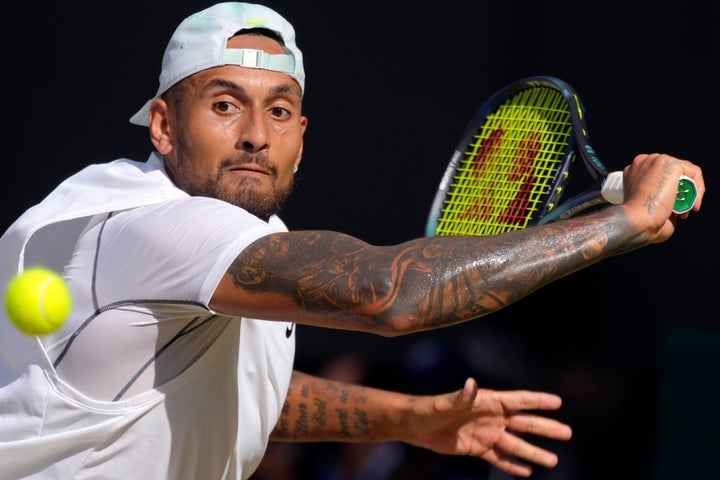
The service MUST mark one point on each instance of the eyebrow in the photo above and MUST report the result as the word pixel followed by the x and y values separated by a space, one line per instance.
pixel 281 89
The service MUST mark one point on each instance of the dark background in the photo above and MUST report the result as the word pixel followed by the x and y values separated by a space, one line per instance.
pixel 630 344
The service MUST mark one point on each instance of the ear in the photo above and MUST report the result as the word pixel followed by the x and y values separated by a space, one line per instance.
pixel 160 126
pixel 298 158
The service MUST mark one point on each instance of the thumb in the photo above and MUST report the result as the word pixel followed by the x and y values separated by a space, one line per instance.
pixel 469 392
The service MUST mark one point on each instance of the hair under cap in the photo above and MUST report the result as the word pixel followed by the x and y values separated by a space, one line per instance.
pixel 200 42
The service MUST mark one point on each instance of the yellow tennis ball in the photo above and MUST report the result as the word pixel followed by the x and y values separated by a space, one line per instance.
pixel 38 301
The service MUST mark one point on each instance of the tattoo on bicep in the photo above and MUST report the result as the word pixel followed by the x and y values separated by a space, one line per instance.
pixel 325 272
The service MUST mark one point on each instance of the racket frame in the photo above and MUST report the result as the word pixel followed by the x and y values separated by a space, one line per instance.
pixel 550 209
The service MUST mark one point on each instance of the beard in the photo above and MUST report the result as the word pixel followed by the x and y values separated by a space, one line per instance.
pixel 243 193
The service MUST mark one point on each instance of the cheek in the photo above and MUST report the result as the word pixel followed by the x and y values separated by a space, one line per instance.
pixel 204 139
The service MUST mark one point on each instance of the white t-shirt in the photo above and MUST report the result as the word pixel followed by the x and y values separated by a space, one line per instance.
pixel 143 380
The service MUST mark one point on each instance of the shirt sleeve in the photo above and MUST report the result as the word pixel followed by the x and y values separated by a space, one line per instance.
pixel 175 251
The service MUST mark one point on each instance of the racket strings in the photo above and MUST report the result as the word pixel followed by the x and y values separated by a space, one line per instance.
pixel 509 166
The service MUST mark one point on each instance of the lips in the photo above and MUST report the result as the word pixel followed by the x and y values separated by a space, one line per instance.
pixel 253 168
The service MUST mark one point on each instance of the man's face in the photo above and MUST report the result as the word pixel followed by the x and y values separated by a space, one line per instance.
pixel 236 133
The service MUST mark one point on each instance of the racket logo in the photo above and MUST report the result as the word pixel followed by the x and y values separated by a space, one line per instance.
pixel 526 152
pixel 489 149
pixel 518 183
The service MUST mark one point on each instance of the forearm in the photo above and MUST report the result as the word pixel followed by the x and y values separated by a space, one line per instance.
pixel 341 282
pixel 318 410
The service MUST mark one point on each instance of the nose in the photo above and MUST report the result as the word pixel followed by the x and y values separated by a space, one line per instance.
pixel 254 133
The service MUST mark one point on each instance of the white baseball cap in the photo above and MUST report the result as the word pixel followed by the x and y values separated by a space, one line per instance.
pixel 200 42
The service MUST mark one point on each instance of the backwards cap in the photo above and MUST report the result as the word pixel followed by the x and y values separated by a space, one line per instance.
pixel 200 42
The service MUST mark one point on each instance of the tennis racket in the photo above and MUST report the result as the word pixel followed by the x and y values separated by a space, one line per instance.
pixel 513 162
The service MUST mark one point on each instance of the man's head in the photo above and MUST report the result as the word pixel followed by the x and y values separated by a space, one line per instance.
pixel 200 42
pixel 228 129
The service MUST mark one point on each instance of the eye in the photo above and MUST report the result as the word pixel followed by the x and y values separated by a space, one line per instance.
pixel 224 107
pixel 279 113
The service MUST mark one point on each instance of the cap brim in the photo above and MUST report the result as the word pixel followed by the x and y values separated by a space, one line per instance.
pixel 143 115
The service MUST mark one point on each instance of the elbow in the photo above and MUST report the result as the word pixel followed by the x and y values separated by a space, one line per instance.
pixel 391 307
pixel 398 316
pixel 405 306
pixel 399 325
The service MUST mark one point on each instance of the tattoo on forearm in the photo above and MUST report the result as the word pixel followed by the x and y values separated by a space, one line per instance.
pixel 301 422
pixel 431 281
pixel 319 417
pixel 344 431
pixel 361 423
pixel 282 428
pixel 337 411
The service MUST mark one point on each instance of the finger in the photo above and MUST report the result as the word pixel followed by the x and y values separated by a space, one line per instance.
pixel 506 463
pixel 541 426
pixel 695 173
pixel 469 391
pixel 528 400
pixel 459 399
pixel 519 448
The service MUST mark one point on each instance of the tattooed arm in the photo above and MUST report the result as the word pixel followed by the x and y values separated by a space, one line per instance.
pixel 469 421
pixel 334 280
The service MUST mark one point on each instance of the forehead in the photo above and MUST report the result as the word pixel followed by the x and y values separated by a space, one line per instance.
pixel 251 81
pixel 259 42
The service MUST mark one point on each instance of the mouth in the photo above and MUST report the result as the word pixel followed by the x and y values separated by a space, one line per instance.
pixel 250 168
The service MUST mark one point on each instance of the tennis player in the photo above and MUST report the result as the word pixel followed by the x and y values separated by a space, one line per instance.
pixel 177 359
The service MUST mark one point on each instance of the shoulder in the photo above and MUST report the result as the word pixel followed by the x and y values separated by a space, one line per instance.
pixel 190 221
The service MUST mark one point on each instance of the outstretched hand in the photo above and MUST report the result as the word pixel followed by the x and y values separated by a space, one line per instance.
pixel 486 424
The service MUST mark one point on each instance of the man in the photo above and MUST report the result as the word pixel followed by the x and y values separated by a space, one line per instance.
pixel 177 360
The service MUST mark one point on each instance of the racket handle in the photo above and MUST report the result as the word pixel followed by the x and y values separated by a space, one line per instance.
pixel 612 188
pixel 612 191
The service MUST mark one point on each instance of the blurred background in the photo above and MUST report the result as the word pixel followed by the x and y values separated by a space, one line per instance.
pixel 632 344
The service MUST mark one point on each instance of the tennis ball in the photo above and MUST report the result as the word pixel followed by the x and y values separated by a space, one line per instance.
pixel 38 301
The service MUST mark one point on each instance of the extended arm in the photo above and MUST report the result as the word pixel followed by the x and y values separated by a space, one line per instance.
pixel 469 421
pixel 334 280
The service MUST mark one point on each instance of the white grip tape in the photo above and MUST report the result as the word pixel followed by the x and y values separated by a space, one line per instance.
pixel 612 188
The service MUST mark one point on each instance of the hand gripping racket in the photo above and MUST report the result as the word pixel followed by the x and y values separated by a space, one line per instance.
pixel 513 162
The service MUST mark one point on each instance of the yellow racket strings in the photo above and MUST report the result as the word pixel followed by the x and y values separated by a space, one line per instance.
pixel 509 166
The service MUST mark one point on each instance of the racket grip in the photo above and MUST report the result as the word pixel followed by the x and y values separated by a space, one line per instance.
pixel 612 188
pixel 612 191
